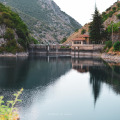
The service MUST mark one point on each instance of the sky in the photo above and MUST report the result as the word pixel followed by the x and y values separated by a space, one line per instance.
pixel 82 10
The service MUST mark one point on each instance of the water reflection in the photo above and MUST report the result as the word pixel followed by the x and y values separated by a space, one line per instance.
pixel 31 72
pixel 58 85
pixel 100 72
pixel 34 74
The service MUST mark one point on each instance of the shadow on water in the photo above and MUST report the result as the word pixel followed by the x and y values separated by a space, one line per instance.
pixel 100 72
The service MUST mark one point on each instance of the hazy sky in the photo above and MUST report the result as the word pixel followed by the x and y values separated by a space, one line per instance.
pixel 82 10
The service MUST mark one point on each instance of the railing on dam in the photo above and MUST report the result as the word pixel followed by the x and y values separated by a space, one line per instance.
pixel 64 49
pixel 88 47
pixel 50 49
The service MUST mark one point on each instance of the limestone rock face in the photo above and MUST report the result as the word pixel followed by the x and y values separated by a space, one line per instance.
pixel 2 32
pixel 45 19
pixel 2 41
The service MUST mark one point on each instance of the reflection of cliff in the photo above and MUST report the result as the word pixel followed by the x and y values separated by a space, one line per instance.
pixel 13 71
pixel 99 74
pixel 31 72
pixel 34 74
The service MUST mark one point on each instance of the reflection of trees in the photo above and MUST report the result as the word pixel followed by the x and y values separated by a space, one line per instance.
pixel 105 74
pixel 100 73
pixel 31 72
pixel 114 78
pixel 14 71
pixel 97 76
pixel 116 69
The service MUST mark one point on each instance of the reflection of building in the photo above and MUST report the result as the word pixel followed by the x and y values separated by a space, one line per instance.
pixel 83 64
pixel 92 66
pixel 81 69
pixel 79 66
pixel 99 73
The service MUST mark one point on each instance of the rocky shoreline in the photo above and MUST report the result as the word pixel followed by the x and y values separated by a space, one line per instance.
pixel 25 54
pixel 105 56
pixel 111 57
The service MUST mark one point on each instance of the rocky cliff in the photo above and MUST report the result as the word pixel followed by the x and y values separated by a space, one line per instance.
pixel 44 18
pixel 14 34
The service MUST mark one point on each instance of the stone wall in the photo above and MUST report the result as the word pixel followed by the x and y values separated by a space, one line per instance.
pixel 111 58
pixel 84 50
pixel 88 47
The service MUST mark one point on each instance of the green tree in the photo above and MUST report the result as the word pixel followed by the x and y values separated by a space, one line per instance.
pixel 76 30
pixel 96 27
pixel 118 16
pixel 116 46
pixel 63 40
pixel 9 34
pixel 83 31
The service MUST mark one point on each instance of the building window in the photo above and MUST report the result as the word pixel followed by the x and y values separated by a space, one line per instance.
pixel 75 42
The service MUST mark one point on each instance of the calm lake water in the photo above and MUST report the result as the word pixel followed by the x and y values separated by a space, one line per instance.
pixel 58 88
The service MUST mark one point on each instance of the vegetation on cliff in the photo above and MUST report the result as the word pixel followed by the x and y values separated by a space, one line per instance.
pixel 110 11
pixel 114 26
pixel 44 19
pixel 63 40
pixel 16 35
pixel 110 20
pixel 111 47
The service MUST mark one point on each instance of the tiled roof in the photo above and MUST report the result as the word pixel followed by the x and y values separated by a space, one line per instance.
pixel 81 37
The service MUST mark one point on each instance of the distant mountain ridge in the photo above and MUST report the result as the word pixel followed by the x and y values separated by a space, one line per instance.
pixel 44 18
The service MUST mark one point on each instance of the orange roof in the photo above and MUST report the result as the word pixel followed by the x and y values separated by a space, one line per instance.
pixel 79 39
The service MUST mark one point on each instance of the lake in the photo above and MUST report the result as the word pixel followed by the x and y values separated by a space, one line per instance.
pixel 62 88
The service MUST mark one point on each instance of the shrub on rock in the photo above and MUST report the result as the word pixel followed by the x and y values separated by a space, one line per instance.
pixel 116 46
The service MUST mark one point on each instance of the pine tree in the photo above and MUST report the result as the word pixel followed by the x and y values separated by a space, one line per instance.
pixel 96 28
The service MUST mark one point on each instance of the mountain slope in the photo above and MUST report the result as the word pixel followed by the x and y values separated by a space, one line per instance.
pixel 78 33
pixel 110 16
pixel 14 34
pixel 47 22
